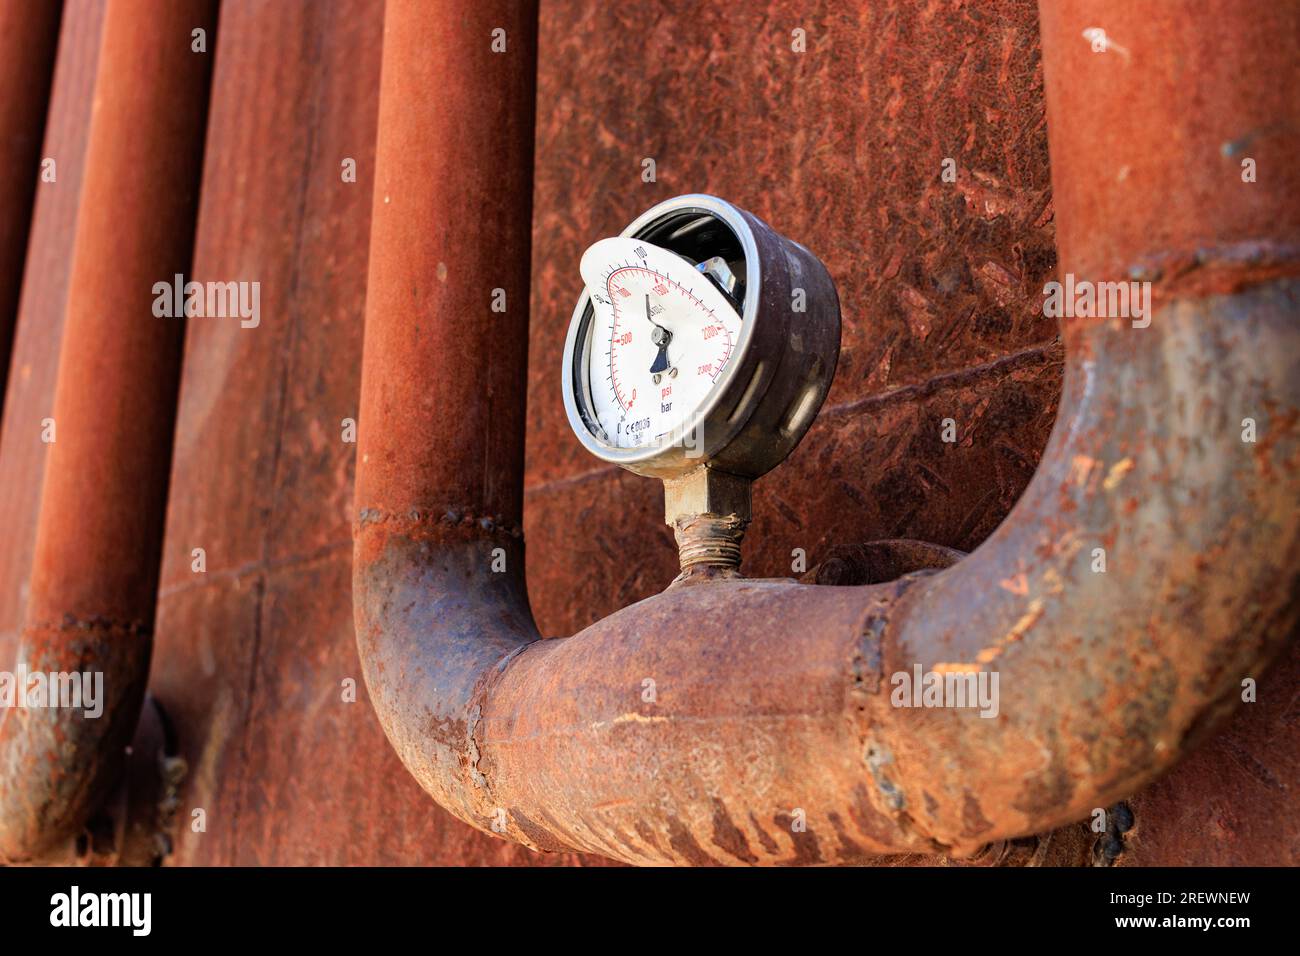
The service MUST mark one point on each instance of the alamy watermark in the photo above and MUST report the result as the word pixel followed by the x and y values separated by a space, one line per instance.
pixel 1081 299
pixel 223 300
pixel 948 687
pixel 133 911
pixel 69 690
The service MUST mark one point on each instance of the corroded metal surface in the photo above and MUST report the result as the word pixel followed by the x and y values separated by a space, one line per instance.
pixel 251 651
pixel 1174 108
pixel 771 699
pixel 95 566
pixel 897 81
pixel 941 287
pixel 1232 801
pixel 841 148
pixel 876 468
pixel 437 268
pixel 774 696
pixel 878 562
pixel 427 308
pixel 1108 678
pixel 1184 93
pixel 233 630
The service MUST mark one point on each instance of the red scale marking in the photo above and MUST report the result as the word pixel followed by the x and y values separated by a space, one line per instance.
pixel 618 391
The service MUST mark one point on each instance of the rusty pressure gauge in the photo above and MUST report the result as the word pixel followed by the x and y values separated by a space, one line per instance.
pixel 699 352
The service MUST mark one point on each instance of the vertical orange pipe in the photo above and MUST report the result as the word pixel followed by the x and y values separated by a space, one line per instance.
pixel 1172 139
pixel 29 36
pixel 452 222
pixel 95 570
pixel 440 448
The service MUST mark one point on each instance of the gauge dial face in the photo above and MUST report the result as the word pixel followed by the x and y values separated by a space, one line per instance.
pixel 661 336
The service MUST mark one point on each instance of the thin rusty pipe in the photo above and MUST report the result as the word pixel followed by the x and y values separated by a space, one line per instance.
pixel 701 725
pixel 29 36
pixel 95 569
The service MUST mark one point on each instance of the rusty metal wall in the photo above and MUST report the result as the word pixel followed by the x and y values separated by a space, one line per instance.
pixel 840 147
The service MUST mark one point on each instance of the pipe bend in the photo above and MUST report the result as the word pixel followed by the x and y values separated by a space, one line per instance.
pixel 1110 672
pixel 58 764
pixel 689 727
pixel 755 721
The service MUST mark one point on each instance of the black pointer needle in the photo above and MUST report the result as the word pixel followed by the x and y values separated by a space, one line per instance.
pixel 660 337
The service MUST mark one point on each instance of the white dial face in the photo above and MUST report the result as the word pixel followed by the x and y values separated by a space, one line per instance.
pixel 661 336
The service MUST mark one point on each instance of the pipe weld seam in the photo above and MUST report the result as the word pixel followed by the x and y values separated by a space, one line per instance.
pixel 451 519
pixel 70 622
pixel 1211 269
pixel 866 673
pixel 479 697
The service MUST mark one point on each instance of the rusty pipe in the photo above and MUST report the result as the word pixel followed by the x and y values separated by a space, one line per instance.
pixel 756 721
pixel 95 569
pixel 29 36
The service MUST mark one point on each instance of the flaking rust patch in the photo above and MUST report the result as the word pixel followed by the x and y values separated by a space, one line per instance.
pixel 472 753
pixel 956 668
pixel 878 759
pixel 1117 473
pixel 1022 626
pixel 990 654
pixel 865 665
pixel 1053 581
pixel 1017 585
pixel 634 718
pixel 1080 468
pixel 629 718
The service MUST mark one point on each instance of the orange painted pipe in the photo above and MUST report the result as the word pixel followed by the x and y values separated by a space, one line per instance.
pixel 94 574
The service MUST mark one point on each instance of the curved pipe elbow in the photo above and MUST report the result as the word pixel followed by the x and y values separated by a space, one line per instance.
pixel 434 624
pixel 765 721
pixel 59 763
pixel 773 697
pixel 1148 569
